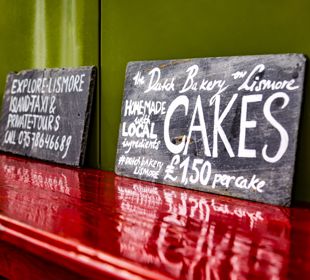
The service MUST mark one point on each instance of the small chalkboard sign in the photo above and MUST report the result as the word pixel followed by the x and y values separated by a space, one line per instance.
pixel 46 113
pixel 222 125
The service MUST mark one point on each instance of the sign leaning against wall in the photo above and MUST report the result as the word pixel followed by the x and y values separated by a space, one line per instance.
pixel 46 113
pixel 222 125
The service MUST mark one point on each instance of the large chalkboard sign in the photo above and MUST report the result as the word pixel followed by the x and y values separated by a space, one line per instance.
pixel 46 113
pixel 222 125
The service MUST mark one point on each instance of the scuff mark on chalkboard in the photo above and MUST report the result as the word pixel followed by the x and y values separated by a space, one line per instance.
pixel 178 139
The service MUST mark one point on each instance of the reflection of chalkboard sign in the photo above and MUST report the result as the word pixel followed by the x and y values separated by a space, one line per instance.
pixel 46 113
pixel 222 125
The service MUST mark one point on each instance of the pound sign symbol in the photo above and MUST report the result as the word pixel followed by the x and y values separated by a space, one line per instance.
pixel 170 168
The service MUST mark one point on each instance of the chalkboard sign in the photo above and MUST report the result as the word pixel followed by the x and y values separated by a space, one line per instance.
pixel 222 125
pixel 46 113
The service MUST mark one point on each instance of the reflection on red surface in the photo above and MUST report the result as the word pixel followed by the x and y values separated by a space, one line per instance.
pixel 128 228
pixel 37 193
pixel 192 236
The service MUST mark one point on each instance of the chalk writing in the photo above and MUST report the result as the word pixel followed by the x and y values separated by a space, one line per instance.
pixel 45 113
pixel 222 125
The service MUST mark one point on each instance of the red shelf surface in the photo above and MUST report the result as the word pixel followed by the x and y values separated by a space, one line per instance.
pixel 64 223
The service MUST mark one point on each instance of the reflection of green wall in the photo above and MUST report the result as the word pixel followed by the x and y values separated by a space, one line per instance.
pixel 60 33
pixel 50 33
pixel 161 29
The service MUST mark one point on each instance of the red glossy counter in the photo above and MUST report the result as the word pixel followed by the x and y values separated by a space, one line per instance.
pixel 63 223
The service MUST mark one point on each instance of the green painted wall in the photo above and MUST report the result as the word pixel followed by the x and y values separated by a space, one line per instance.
pixel 161 29
pixel 51 33
pixel 59 33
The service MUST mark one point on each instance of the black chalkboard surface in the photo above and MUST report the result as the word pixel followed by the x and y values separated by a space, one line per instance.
pixel 222 125
pixel 46 113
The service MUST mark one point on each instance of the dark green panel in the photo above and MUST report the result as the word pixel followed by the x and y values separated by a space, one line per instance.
pixel 51 33
pixel 146 30
pixel 16 37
